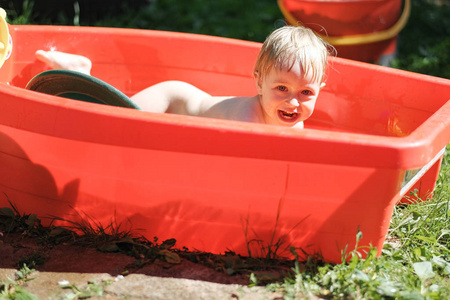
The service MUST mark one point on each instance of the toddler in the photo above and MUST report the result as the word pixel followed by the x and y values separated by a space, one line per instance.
pixel 289 73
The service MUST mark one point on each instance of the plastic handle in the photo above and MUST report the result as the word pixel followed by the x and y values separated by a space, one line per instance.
pixel 358 38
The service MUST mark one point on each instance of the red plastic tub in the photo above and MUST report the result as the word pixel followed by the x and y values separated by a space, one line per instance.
pixel 363 30
pixel 216 185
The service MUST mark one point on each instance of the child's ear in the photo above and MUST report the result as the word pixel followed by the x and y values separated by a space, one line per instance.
pixel 258 81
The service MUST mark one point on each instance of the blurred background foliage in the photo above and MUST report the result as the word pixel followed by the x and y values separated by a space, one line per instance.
pixel 423 47
pixel 424 43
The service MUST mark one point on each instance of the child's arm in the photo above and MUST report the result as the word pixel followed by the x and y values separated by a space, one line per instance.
pixel 172 97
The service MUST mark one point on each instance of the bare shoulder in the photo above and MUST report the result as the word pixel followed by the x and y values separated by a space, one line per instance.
pixel 183 98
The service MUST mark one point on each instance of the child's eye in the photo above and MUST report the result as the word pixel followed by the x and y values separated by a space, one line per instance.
pixel 306 92
pixel 282 88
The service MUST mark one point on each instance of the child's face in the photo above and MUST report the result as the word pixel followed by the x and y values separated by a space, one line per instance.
pixel 287 97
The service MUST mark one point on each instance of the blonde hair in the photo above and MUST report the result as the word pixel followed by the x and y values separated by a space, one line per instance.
pixel 289 45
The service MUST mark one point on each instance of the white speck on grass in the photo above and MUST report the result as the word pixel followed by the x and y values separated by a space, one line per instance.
pixel 63 283
pixel 119 277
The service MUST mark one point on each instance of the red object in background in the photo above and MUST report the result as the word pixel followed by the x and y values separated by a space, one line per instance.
pixel 215 185
pixel 339 19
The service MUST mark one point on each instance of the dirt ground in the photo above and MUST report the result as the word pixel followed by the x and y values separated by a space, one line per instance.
pixel 88 249
pixel 18 248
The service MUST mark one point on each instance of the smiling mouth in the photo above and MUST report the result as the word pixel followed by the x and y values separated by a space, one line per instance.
pixel 288 117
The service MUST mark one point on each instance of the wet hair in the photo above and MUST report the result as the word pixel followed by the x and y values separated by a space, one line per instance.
pixel 289 45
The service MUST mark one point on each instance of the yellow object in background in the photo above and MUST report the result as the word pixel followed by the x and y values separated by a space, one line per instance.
pixel 5 38
pixel 357 39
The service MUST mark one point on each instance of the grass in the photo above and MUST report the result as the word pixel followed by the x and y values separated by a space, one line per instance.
pixel 13 288
pixel 92 289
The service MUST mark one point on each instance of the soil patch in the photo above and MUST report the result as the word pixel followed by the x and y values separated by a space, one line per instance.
pixel 16 250
pixel 24 241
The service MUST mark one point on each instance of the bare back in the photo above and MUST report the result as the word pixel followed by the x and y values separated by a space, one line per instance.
pixel 182 98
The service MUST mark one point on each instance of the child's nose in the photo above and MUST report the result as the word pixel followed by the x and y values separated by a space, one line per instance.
pixel 294 102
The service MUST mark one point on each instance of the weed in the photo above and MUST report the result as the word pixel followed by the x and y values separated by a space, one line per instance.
pixel 87 232
pixel 12 288
pixel 93 234
pixel 92 289
pixel 374 277
pixel 268 250
pixel 114 238
pixel 11 220
pixel 35 259
pixel 278 244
